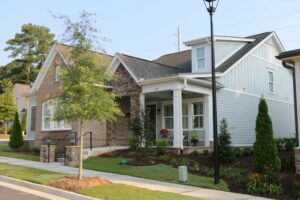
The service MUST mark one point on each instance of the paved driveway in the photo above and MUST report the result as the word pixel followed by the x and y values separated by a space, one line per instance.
pixel 11 194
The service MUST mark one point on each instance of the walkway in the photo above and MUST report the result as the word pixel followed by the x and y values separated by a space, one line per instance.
pixel 138 182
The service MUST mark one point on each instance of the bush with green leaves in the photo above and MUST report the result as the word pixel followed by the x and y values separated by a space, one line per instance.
pixel 161 148
pixel 225 150
pixel 133 144
pixel 296 189
pixel 237 152
pixel 285 143
pixel 265 150
pixel 173 162
pixel 35 150
pixel 16 137
pixel 288 164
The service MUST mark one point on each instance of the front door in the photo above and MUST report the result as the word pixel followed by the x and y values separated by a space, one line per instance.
pixel 151 114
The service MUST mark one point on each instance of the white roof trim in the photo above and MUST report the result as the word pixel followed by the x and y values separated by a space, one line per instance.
pixel 217 38
pixel 247 54
pixel 115 63
pixel 45 67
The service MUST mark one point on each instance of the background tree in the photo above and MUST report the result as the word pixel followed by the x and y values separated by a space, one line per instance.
pixel 7 103
pixel 16 136
pixel 84 96
pixel 265 151
pixel 225 150
pixel 29 50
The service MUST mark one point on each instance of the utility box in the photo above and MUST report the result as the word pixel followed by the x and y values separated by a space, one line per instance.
pixel 183 174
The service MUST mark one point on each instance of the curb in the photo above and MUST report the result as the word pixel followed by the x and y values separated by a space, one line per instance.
pixel 46 189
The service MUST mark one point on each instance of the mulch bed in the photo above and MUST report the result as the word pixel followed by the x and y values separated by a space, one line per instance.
pixel 71 183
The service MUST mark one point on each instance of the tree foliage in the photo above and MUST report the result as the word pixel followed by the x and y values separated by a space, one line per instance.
pixel 84 94
pixel 29 50
pixel 16 137
pixel 265 156
pixel 7 102
pixel 225 150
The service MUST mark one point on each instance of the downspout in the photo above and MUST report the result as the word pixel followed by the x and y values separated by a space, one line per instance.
pixel 291 66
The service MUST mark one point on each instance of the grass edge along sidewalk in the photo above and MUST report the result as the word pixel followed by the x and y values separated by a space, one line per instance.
pixel 109 191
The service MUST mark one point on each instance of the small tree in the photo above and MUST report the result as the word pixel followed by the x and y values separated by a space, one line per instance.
pixel 7 105
pixel 16 137
pixel 84 94
pixel 225 150
pixel 265 151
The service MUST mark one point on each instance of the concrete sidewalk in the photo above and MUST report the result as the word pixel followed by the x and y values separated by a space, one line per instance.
pixel 133 181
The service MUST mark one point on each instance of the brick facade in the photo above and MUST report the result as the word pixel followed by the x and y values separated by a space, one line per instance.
pixel 129 94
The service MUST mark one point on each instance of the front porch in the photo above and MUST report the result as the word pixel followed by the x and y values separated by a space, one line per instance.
pixel 183 106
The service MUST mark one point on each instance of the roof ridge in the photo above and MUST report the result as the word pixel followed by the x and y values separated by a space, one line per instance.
pixel 149 61
pixel 255 35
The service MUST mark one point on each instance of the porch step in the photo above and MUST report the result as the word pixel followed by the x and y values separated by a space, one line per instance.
pixel 101 150
pixel 60 160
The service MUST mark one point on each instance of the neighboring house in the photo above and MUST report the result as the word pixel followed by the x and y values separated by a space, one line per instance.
pixel 21 92
pixel 175 91
pixel 291 61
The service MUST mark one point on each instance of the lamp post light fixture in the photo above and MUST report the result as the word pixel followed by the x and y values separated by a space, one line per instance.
pixel 211 6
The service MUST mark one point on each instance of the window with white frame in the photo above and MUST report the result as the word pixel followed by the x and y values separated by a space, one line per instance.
pixel 271 84
pixel 57 73
pixel 200 57
pixel 168 116
pixel 198 115
pixel 185 116
pixel 48 117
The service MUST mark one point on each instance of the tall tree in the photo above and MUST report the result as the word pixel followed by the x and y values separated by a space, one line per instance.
pixel 84 96
pixel 265 156
pixel 29 50
pixel 7 105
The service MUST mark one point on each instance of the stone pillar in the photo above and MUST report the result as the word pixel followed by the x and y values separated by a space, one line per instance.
pixel 177 119
pixel 72 156
pixel 297 160
pixel 44 153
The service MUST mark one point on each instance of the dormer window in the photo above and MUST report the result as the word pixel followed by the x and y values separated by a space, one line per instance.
pixel 57 73
pixel 200 58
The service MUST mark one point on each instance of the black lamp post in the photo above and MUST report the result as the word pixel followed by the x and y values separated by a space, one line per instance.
pixel 211 6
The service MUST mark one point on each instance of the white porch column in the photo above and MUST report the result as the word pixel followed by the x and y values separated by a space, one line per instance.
pixel 208 120
pixel 142 102
pixel 177 119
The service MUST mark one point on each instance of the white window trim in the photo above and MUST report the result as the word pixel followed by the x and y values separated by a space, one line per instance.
pixel 51 121
pixel 166 117
pixel 201 58
pixel 57 73
pixel 199 115
pixel 273 72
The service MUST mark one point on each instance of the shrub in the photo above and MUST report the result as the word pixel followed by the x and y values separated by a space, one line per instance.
pixel 195 154
pixel 173 162
pixel 235 173
pixel 296 189
pixel 279 143
pixel 25 148
pixel 237 152
pixel 206 153
pixel 163 158
pixel 133 144
pixel 225 151
pixel 35 150
pixel 196 167
pixel 132 154
pixel 265 150
pixel 206 171
pixel 161 148
pixel 246 152
pixel 185 162
pixel 288 164
pixel 289 143
pixel 16 137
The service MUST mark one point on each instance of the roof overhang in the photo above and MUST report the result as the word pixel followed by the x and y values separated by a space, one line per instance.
pixel 289 55
pixel 217 38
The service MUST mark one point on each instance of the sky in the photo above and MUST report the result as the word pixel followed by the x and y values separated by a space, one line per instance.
pixel 147 28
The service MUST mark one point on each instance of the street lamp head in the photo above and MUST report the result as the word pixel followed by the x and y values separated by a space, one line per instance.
pixel 211 5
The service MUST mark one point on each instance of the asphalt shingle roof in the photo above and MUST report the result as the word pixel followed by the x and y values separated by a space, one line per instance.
pixel 288 54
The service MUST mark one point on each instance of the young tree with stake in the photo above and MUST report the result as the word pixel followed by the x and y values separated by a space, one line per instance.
pixel 84 94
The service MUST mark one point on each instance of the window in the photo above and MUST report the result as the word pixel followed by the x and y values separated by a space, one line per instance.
pixel 200 58
pixel 197 115
pixel 185 116
pixel 57 73
pixel 32 118
pixel 271 88
pixel 168 116
pixel 48 117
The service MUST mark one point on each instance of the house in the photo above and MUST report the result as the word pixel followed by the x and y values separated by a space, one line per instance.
pixel 175 91
pixel 291 61
pixel 20 92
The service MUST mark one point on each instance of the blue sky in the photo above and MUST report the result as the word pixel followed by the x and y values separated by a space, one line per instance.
pixel 147 29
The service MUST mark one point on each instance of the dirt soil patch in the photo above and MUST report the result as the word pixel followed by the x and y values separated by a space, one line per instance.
pixel 71 183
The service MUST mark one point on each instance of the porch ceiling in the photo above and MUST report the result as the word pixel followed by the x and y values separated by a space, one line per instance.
pixel 168 95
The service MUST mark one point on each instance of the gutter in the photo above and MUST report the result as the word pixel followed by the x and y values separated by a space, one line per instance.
pixel 291 66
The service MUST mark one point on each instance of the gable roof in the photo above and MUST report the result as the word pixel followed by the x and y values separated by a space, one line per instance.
pixel 181 60
pixel 145 69
pixel 243 51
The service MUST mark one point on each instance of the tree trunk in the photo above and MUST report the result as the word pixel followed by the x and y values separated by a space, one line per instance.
pixel 80 172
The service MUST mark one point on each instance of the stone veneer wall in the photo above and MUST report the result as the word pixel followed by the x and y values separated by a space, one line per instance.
pixel 129 101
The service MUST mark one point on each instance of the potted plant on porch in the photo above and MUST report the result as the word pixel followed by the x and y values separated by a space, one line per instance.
pixel 164 132
pixel 194 138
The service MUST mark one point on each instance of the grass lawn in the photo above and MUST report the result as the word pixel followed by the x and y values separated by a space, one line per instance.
pixel 105 192
pixel 17 154
pixel 125 192
pixel 156 172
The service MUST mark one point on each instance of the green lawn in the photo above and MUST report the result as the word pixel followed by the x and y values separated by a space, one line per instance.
pixel 17 155
pixel 156 172
pixel 105 192
pixel 125 192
